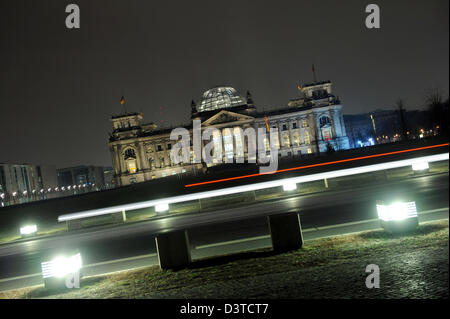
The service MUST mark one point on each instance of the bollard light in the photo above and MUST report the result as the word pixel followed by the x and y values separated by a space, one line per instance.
pixel 28 230
pixel 62 271
pixel 397 211
pixel 420 166
pixel 162 208
pixel 289 187
pixel 61 266
pixel 398 216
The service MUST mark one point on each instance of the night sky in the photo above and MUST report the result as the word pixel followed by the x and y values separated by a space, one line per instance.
pixel 59 87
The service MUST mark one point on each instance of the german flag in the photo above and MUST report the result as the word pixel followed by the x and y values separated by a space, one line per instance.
pixel 267 124
pixel 122 100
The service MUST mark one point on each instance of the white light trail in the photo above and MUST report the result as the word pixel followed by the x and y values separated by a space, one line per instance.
pixel 256 186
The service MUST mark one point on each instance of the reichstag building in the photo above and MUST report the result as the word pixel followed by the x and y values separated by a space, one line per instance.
pixel 309 124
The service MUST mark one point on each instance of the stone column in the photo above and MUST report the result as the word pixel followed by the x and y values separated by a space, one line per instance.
pixel 138 157
pixel 123 166
pixel 117 166
pixel 143 155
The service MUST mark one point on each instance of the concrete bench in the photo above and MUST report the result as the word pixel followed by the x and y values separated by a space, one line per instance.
pixel 174 251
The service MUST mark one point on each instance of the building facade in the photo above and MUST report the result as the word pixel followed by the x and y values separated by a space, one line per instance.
pixel 309 124
pixel 21 183
pixel 81 175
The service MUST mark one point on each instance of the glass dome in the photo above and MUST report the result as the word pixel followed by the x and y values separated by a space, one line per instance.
pixel 220 98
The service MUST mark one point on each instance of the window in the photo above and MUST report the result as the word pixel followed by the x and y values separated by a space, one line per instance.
pixel 159 148
pixel 129 153
pixel 296 138
pixel 284 127
pixel 304 123
pixel 169 146
pixel 324 120
pixel 309 151
pixel 294 125
pixel 307 138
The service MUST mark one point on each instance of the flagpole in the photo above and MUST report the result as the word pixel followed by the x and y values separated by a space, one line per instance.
pixel 314 74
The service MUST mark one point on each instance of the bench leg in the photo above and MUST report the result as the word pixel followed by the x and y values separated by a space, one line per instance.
pixel 119 217
pixel 285 231
pixel 73 224
pixel 173 249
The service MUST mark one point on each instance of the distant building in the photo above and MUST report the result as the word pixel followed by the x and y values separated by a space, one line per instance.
pixel 108 175
pixel 385 126
pixel 81 175
pixel 21 183
pixel 309 124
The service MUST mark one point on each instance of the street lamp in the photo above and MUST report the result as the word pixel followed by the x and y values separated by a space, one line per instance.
pixel 62 270
pixel 397 216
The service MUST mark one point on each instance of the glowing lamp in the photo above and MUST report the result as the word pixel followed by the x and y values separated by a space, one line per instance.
pixel 61 266
pixel 398 216
pixel 289 187
pixel 28 230
pixel 62 271
pixel 420 166
pixel 162 208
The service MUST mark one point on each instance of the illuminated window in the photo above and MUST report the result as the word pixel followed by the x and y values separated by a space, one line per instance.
pixel 286 140
pixel 304 123
pixel 131 166
pixel 326 133
pixel 307 138
pixel 238 140
pixel 309 151
pixel 296 138
pixel 228 143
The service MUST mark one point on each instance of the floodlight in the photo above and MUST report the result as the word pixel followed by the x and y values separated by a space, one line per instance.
pixel 397 211
pixel 289 187
pixel 420 166
pixel 28 230
pixel 61 266
pixel 161 208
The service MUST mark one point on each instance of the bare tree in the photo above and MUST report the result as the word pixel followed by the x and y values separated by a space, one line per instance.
pixel 401 110
pixel 438 109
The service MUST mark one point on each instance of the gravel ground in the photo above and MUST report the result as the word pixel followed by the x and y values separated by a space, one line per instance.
pixel 412 266
pixel 422 273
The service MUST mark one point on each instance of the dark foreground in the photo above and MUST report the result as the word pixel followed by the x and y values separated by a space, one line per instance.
pixel 413 265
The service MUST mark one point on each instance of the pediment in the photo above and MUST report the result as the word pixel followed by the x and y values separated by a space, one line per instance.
pixel 226 117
